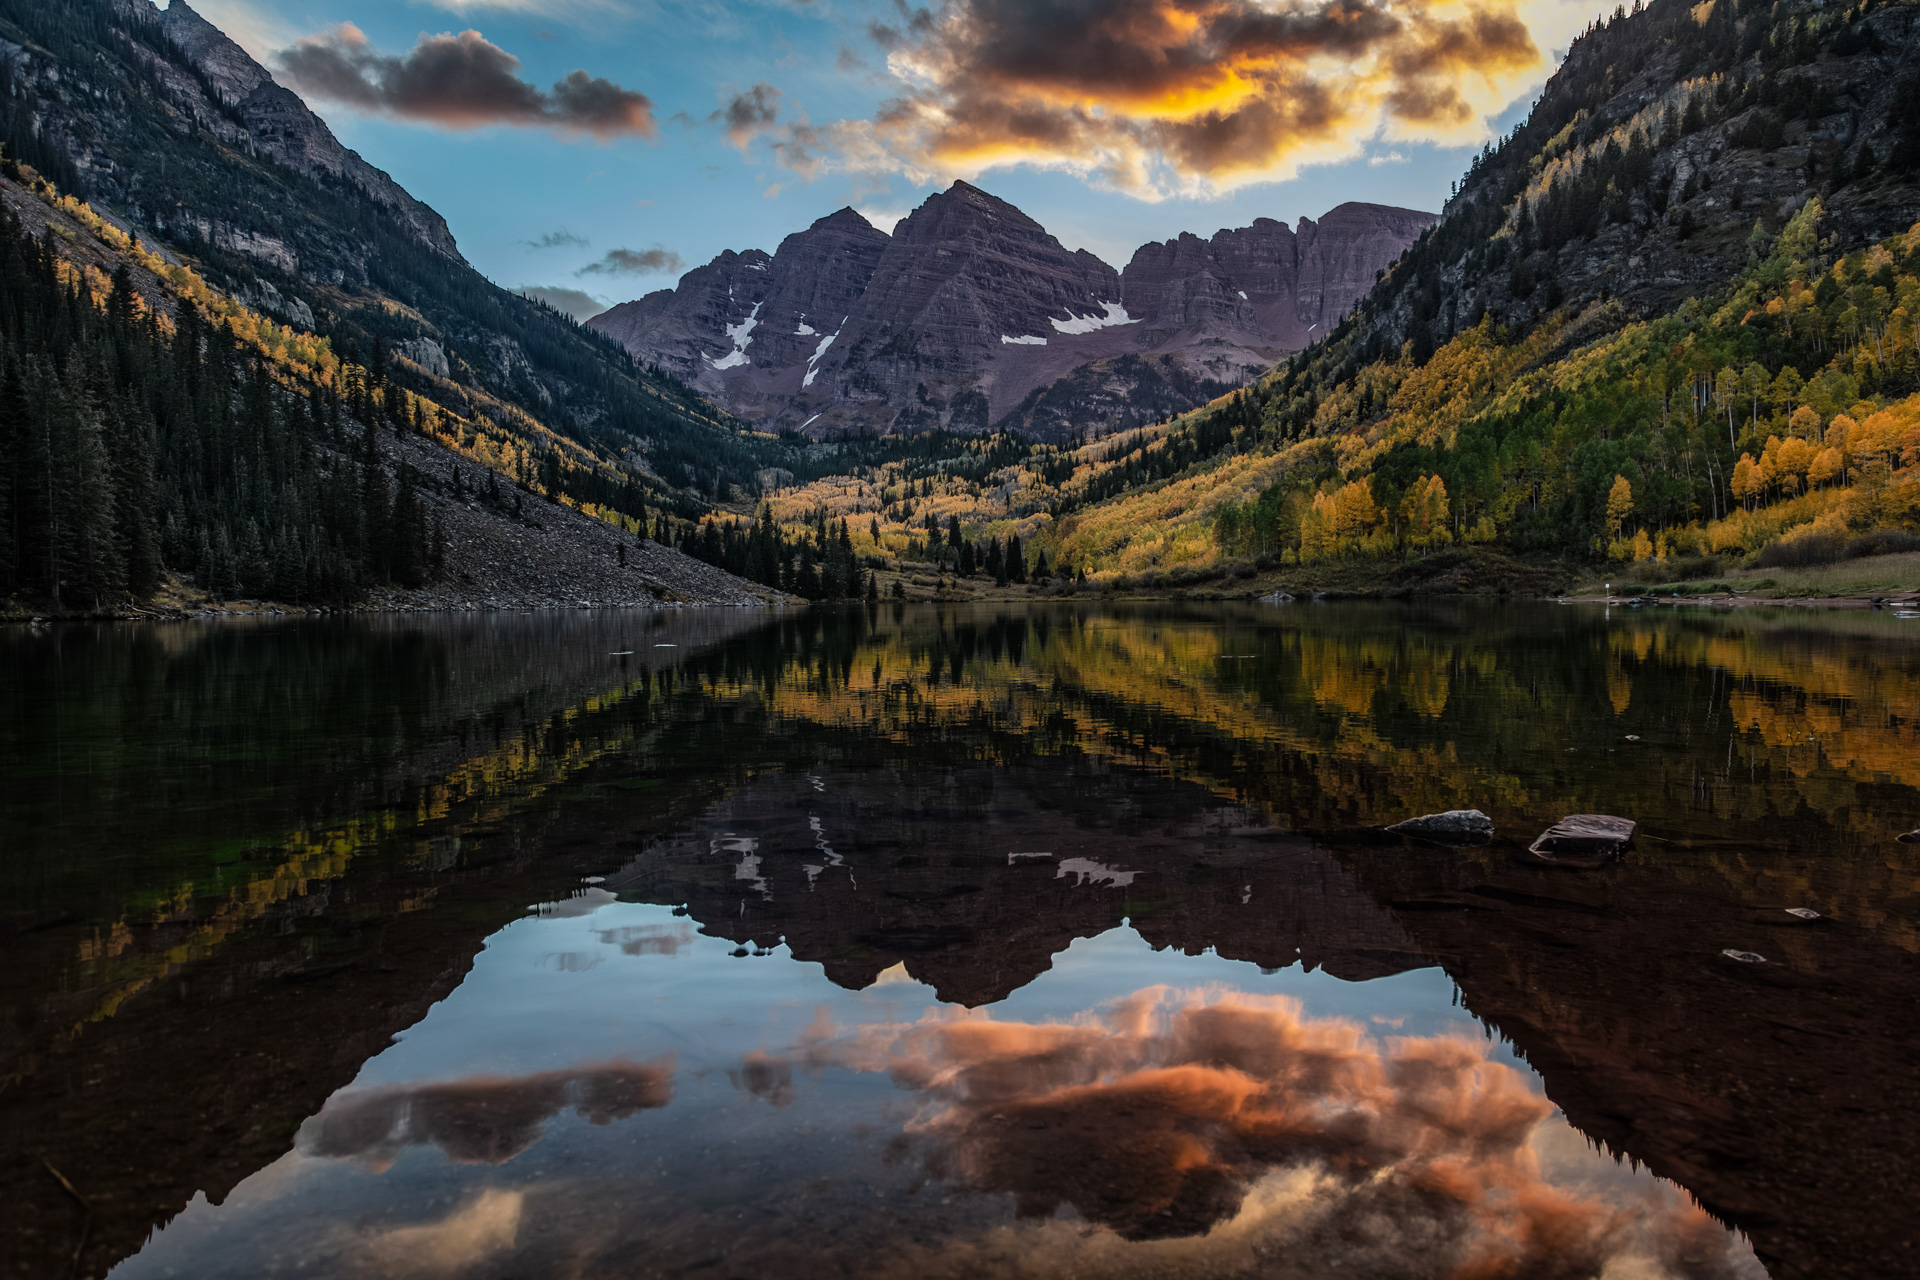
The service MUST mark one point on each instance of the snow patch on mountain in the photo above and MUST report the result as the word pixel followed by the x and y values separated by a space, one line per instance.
pixel 1116 314
pixel 742 336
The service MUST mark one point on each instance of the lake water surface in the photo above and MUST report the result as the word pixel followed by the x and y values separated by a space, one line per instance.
pixel 981 941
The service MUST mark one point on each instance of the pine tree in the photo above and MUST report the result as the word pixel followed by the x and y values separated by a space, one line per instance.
pixel 85 568
pixel 407 535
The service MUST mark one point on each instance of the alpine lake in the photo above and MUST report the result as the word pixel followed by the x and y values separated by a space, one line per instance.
pixel 999 940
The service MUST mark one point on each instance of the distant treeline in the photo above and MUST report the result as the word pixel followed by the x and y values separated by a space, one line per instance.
pixel 126 449
pixel 817 565
pixel 820 564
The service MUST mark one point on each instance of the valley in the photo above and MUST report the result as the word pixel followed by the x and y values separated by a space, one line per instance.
pixel 1664 330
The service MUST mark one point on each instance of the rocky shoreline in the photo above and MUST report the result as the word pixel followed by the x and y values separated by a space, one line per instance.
pixel 1897 604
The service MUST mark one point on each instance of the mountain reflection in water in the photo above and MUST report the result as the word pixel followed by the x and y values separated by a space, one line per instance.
pixel 988 941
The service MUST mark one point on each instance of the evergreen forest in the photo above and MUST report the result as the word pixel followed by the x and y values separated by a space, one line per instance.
pixel 132 443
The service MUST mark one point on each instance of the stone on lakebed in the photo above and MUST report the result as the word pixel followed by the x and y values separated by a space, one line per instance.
pixel 1455 826
pixel 1583 840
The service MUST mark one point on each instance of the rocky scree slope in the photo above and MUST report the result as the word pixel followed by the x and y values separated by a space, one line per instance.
pixel 970 316
pixel 549 556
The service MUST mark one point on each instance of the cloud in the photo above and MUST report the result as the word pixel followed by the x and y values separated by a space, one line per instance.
pixel 883 219
pixel 648 939
pixel 1194 97
pixel 767 1078
pixel 635 262
pixel 1386 157
pixel 253 28
pixel 479 1119
pixel 747 115
pixel 1230 1123
pixel 568 302
pixel 458 82
pixel 557 240
pixel 484 1227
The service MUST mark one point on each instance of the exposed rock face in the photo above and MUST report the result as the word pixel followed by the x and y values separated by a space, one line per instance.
pixel 282 126
pixel 971 316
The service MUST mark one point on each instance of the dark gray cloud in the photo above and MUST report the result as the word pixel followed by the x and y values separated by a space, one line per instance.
pixel 459 82
pixel 635 262
pixel 747 115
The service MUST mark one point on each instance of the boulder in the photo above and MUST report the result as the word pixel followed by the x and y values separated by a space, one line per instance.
pixel 1912 837
pixel 426 353
pixel 1583 840
pixel 1454 827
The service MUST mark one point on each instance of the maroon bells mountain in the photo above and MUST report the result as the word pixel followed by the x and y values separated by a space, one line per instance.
pixel 971 317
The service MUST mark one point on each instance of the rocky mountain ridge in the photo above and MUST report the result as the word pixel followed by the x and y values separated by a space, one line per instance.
pixel 970 316
pixel 280 123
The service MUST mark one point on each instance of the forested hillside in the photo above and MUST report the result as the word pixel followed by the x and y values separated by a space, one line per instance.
pixel 1669 319
pixel 1672 315
pixel 101 99
pixel 131 442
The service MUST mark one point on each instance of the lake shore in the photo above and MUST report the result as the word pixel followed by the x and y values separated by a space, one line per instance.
pixel 656 577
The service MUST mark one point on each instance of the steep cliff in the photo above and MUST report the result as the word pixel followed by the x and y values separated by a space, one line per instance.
pixel 280 124
pixel 971 316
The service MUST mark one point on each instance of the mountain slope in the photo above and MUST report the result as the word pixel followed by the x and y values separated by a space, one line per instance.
pixel 1668 325
pixel 970 316
pixel 173 131
pixel 162 446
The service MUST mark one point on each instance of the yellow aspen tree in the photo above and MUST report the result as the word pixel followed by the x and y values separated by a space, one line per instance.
pixel 1619 506
pixel 1792 461
pixel 1354 513
pixel 1745 480
pixel 1826 466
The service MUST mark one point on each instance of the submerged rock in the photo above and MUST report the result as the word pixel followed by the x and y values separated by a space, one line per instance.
pixel 1276 597
pixel 1455 826
pixel 1583 840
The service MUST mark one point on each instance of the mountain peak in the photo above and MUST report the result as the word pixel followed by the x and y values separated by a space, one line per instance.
pixel 965 211
pixel 848 221
pixel 231 69
pixel 971 308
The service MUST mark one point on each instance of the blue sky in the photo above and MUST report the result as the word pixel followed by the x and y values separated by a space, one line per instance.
pixel 876 104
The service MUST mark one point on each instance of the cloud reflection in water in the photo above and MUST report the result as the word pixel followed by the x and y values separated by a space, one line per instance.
pixel 480 1119
pixel 1229 1125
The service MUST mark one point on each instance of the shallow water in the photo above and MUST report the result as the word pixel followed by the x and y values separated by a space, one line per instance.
pixel 983 941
